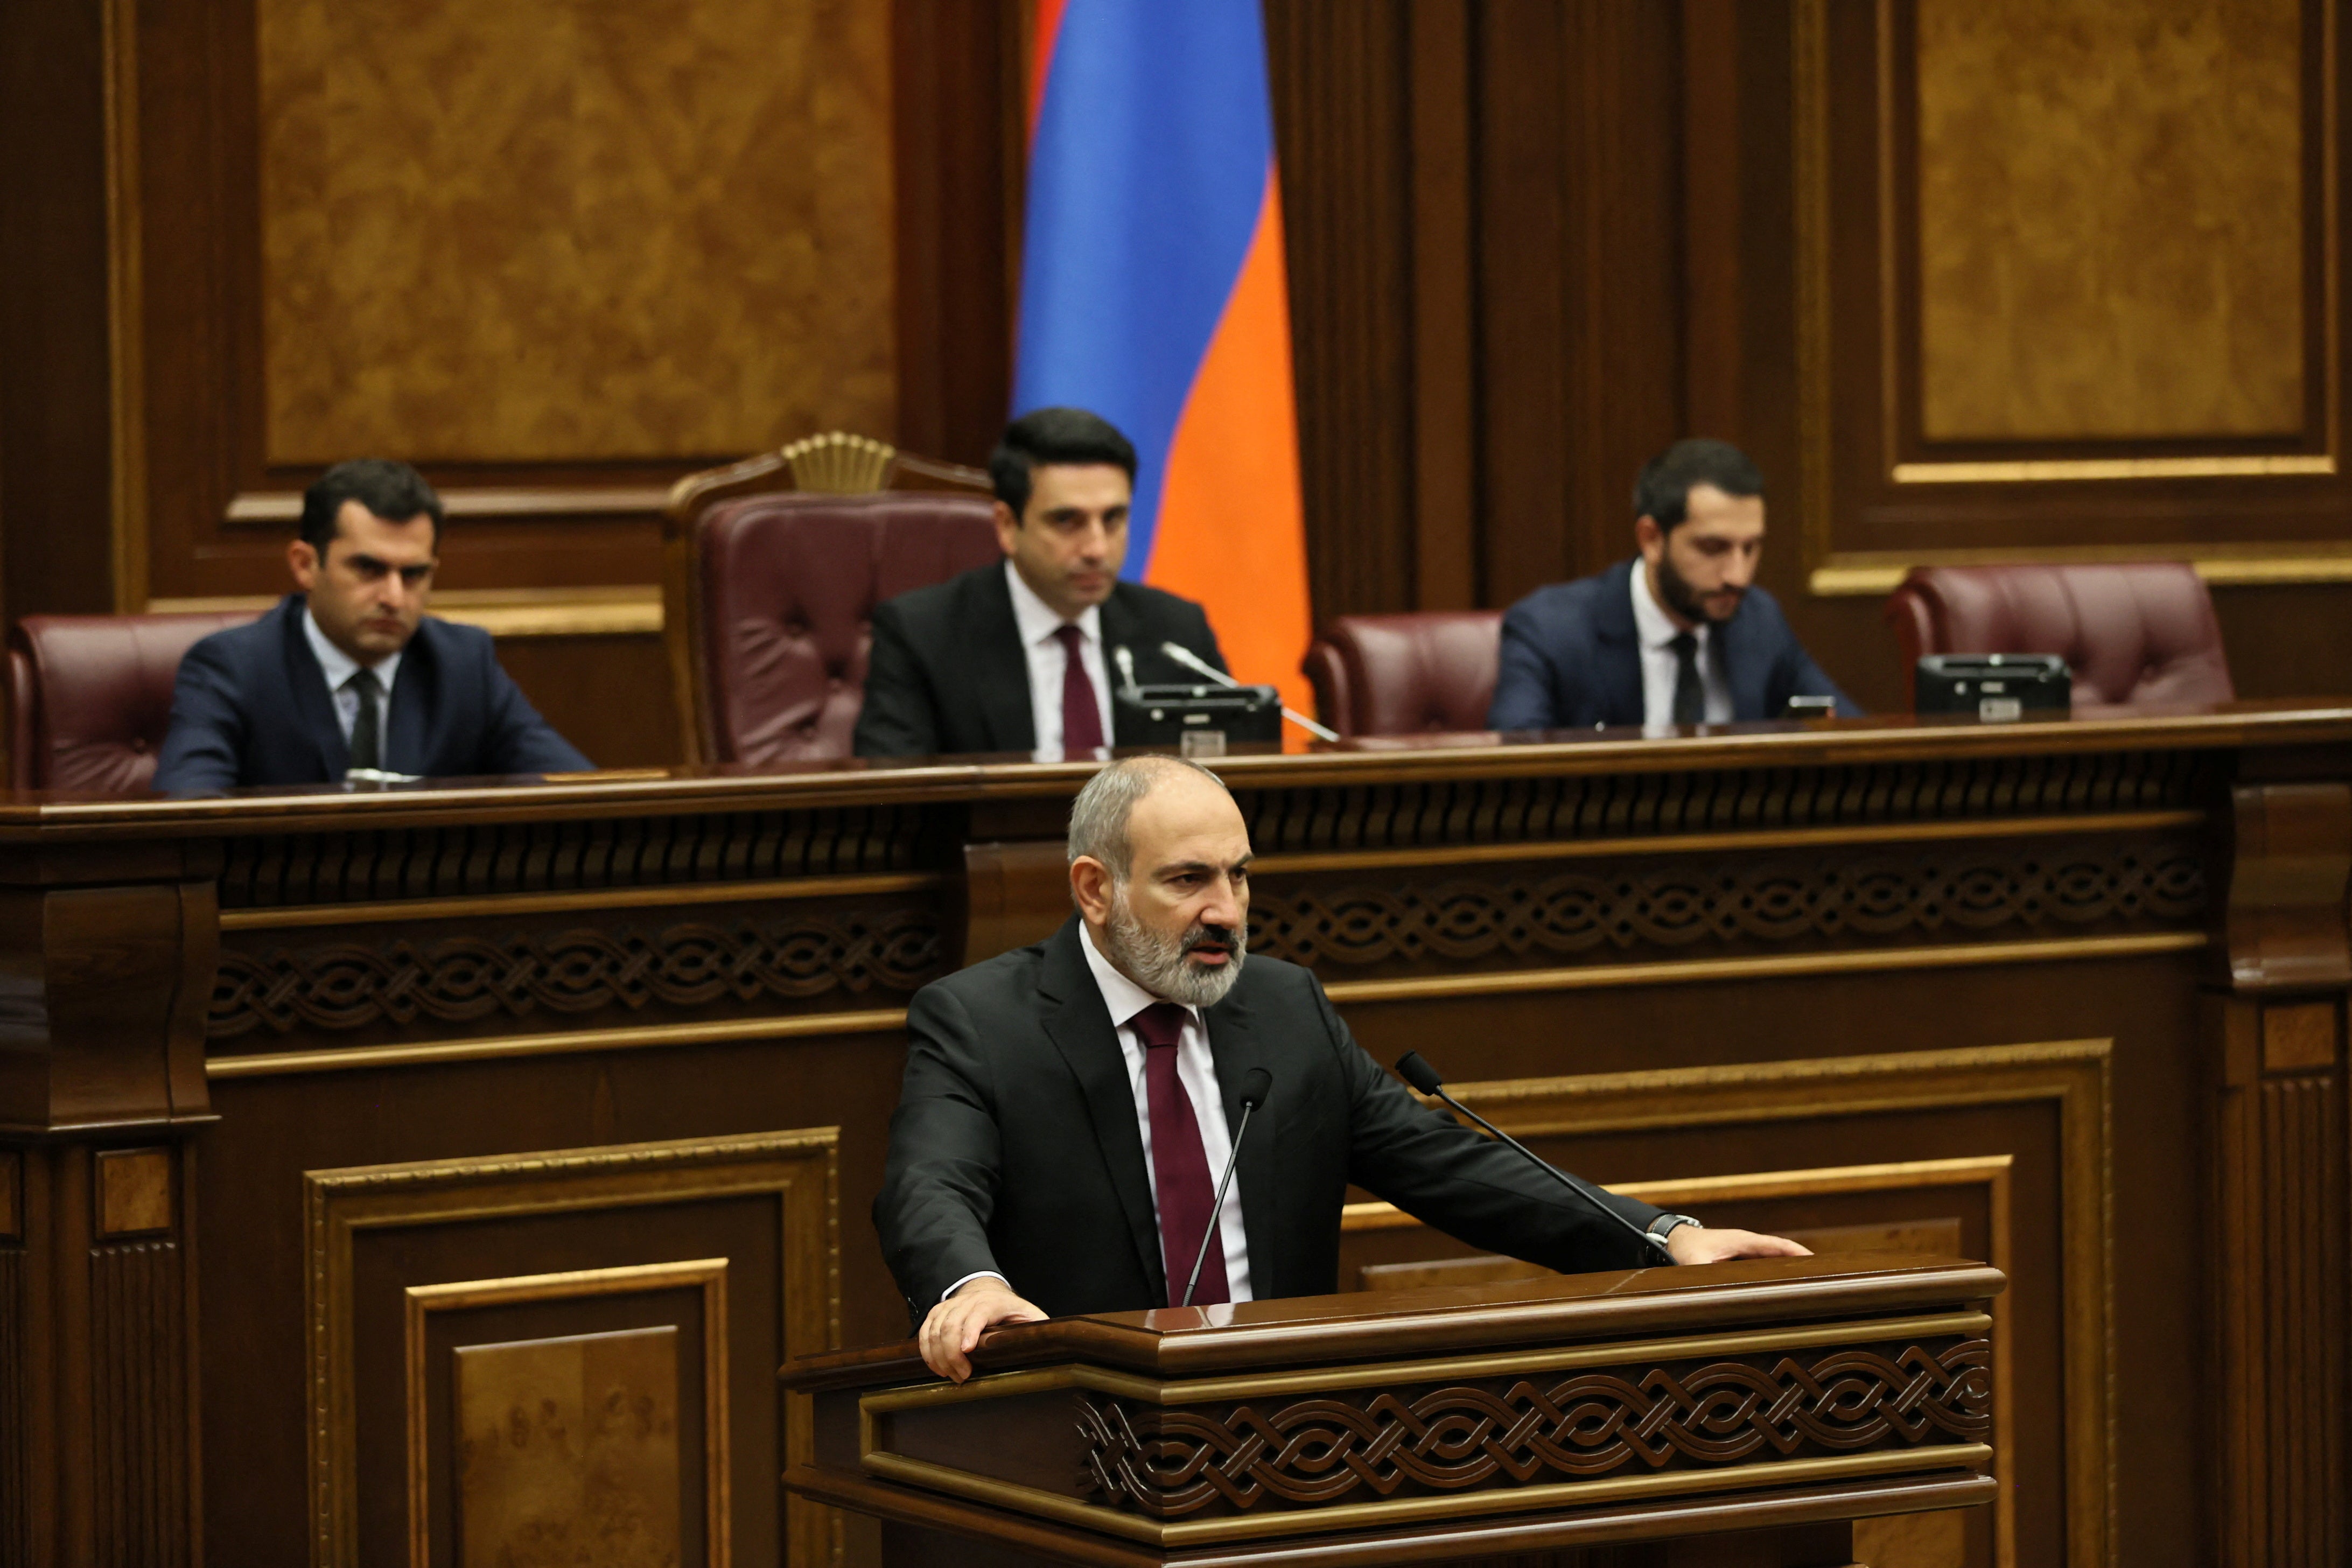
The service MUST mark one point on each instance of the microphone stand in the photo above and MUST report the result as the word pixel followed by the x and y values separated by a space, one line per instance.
pixel 1422 1077
pixel 1254 1092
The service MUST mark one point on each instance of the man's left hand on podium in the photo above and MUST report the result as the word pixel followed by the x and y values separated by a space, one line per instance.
pixel 1698 1244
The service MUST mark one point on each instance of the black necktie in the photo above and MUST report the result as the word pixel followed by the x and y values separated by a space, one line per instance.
pixel 1690 696
pixel 367 730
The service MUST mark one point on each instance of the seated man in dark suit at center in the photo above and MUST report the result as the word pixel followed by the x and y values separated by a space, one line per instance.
pixel 1680 634
pixel 1023 657
pixel 351 673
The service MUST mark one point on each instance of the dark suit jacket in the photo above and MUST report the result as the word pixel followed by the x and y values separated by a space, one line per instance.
pixel 1571 659
pixel 251 707
pixel 1015 1146
pixel 948 673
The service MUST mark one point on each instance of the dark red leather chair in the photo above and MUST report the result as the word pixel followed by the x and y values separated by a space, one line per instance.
pixel 785 586
pixel 2137 635
pixel 90 697
pixel 1406 674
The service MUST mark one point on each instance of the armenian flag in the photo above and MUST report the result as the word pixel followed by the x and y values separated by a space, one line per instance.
pixel 1154 292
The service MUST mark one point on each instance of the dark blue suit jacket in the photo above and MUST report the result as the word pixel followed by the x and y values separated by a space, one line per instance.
pixel 1572 660
pixel 252 708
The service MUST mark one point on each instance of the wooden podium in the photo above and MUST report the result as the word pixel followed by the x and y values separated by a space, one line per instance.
pixel 1746 1413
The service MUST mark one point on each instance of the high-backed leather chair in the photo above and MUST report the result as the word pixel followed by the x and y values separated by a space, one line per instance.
pixel 1406 674
pixel 90 697
pixel 770 596
pixel 2135 634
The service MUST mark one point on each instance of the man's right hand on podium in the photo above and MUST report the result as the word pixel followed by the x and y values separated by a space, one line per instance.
pixel 950 1329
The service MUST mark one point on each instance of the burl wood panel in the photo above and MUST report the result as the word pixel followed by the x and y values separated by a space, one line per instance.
pixel 568 1450
pixel 554 230
pixel 2110 201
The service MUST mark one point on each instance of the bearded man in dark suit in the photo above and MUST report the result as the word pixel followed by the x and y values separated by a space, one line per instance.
pixel 1681 635
pixel 1067 1106
pixel 1023 656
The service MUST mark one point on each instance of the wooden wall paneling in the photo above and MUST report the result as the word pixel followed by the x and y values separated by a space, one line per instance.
pixel 386 1400
pixel 1626 263
pixel 2277 1214
pixel 1446 555
pixel 958 123
pixel 1342 81
pixel 61 133
pixel 610 696
pixel 1969 408
pixel 1521 96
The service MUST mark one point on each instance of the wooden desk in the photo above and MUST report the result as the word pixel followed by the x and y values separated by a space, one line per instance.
pixel 1666 1413
pixel 329 1124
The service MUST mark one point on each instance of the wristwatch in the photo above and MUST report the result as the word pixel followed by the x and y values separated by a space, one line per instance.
pixel 1666 1225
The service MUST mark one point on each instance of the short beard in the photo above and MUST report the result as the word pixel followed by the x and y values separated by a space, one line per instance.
pixel 1683 600
pixel 1162 966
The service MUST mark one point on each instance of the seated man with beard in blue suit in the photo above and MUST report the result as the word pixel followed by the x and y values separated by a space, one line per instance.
pixel 1680 634
pixel 351 673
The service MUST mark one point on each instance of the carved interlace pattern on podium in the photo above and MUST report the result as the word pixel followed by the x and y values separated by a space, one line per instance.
pixel 1320 1451
pixel 350 986
pixel 1827 898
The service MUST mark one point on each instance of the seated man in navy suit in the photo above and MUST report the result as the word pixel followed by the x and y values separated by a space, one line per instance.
pixel 1678 636
pixel 351 673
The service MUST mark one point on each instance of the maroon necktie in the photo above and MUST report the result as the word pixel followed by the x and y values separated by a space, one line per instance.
pixel 1081 719
pixel 1180 1166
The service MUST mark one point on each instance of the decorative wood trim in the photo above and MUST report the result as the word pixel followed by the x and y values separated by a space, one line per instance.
pixel 652 1037
pixel 1866 961
pixel 456 979
pixel 126 302
pixel 707 1274
pixel 1403 1512
pixel 2108 468
pixel 1859 574
pixel 628 611
pixel 1991 1172
pixel 134 1192
pixel 497 904
pixel 2077 1075
pixel 2289 873
pixel 1513 1363
pixel 800 1169
pixel 1297 864
pixel 282 507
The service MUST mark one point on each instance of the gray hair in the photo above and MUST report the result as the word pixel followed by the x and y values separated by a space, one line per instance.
pixel 1098 816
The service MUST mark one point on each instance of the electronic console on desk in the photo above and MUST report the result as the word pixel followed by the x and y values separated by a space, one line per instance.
pixel 1200 720
pixel 1995 687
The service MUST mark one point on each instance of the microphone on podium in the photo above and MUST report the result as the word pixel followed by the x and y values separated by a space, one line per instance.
pixel 1257 1084
pixel 1422 1077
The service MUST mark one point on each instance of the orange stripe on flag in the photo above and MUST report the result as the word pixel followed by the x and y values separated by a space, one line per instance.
pixel 1232 532
pixel 1045 23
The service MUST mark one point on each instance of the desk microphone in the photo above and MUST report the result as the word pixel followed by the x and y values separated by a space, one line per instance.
pixel 1256 1086
pixel 1199 666
pixel 1422 1077
pixel 1126 662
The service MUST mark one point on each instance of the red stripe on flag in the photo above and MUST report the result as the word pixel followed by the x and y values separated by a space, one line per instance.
pixel 1233 530
pixel 1045 27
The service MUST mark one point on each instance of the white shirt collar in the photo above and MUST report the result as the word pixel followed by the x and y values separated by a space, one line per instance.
pixel 1651 622
pixel 1123 996
pixel 340 666
pixel 1037 619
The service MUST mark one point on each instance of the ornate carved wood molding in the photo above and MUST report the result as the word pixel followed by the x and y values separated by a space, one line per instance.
pixel 1414 1441
pixel 459 979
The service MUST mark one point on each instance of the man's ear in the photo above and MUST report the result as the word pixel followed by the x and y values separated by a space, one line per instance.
pixel 1648 537
pixel 302 560
pixel 1008 527
pixel 1090 884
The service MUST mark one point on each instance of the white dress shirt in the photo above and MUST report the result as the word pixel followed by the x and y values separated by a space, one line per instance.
pixel 1049 663
pixel 340 668
pixel 1656 632
pixel 1196 1069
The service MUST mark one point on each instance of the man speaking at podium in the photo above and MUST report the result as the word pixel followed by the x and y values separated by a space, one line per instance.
pixel 1068 1107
